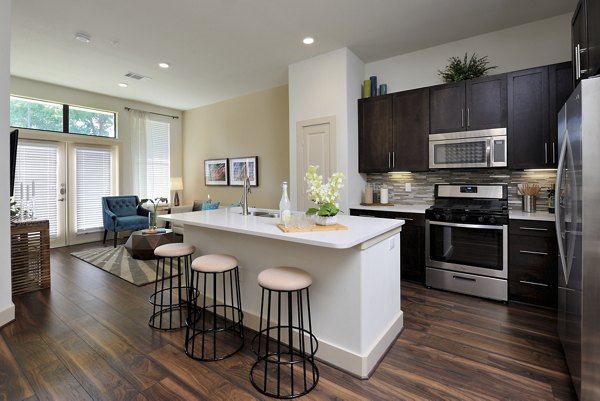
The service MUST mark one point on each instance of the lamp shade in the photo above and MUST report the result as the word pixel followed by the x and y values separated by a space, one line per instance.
pixel 176 183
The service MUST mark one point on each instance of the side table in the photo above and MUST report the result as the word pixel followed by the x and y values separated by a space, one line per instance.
pixel 142 246
pixel 30 255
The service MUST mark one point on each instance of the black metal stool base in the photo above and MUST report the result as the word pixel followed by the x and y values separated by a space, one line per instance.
pixel 171 295
pixel 169 312
pixel 285 365
pixel 215 332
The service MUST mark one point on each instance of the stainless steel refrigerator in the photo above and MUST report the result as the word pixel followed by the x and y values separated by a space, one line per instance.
pixel 578 233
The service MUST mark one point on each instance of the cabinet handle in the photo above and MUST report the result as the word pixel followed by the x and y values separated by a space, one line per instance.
pixel 462 117
pixel 545 152
pixel 389 159
pixel 534 253
pixel 532 283
pixel 463 278
pixel 468 117
pixel 533 229
pixel 393 159
pixel 577 74
pixel 553 154
pixel 403 218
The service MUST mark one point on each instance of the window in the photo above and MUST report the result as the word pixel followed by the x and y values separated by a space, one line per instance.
pixel 93 180
pixel 35 114
pixel 91 122
pixel 157 173
pixel 49 116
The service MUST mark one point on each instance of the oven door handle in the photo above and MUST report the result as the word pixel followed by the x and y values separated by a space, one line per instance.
pixel 479 226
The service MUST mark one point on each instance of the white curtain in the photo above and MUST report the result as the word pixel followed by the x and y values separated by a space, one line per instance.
pixel 139 157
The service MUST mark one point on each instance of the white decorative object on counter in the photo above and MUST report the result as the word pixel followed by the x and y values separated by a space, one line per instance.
pixel 383 198
pixel 325 220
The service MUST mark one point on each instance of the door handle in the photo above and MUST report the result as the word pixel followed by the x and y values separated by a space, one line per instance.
pixel 61 199
pixel 577 62
pixel 534 253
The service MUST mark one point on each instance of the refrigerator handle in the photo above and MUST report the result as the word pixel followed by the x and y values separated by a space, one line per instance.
pixel 558 217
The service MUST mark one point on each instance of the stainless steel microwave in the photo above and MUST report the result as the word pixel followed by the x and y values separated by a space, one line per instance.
pixel 482 148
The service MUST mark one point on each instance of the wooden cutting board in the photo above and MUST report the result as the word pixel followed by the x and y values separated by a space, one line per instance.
pixel 315 228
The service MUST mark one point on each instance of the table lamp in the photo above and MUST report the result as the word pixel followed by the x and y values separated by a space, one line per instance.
pixel 176 185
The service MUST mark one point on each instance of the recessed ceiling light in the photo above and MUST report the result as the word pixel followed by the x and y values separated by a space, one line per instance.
pixel 123 85
pixel 308 40
pixel 163 65
pixel 83 37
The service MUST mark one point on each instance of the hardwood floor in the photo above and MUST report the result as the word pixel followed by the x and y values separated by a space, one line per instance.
pixel 87 338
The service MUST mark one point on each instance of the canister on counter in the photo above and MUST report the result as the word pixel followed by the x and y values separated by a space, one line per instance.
pixel 368 194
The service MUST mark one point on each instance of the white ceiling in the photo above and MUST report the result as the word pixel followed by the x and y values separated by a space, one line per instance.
pixel 221 49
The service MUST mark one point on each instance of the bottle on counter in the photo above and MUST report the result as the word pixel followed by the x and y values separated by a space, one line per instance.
pixel 368 194
pixel 285 206
pixel 551 199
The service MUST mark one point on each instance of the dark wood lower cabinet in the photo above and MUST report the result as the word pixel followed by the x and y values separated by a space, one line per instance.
pixel 412 241
pixel 533 262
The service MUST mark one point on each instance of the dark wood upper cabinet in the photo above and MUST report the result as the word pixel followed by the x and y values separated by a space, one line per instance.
pixel 411 130
pixel 375 121
pixel 585 39
pixel 528 123
pixel 535 97
pixel 486 102
pixel 447 107
pixel 468 105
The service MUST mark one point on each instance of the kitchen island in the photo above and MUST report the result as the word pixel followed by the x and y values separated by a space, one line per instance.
pixel 355 295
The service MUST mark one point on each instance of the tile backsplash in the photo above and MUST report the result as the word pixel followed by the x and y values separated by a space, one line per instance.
pixel 422 184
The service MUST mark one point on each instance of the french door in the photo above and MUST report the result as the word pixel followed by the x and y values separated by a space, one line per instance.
pixel 64 183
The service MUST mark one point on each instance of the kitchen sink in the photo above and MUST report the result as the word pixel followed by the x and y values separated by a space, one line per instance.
pixel 262 213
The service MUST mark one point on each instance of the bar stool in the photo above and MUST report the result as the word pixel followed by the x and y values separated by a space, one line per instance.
pixel 273 373
pixel 219 326
pixel 169 298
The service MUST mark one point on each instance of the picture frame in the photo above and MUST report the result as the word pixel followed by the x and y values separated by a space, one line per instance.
pixel 236 166
pixel 216 172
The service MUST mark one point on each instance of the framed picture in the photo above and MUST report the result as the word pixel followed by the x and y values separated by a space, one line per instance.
pixel 238 165
pixel 215 172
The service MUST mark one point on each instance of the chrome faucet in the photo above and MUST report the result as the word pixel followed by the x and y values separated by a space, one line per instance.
pixel 245 191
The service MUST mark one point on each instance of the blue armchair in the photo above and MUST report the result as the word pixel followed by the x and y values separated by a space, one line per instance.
pixel 123 213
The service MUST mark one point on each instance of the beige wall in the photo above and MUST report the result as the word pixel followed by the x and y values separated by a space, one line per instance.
pixel 251 125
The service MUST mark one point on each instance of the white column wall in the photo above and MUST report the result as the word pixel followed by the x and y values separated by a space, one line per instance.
pixel 7 308
pixel 321 87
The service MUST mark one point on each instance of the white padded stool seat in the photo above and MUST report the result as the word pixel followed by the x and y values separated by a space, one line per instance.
pixel 214 263
pixel 174 250
pixel 284 278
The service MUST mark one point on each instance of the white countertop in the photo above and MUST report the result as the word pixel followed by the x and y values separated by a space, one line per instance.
pixel 396 208
pixel 541 216
pixel 360 230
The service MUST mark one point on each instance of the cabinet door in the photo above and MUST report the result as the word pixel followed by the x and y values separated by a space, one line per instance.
pixel 447 108
pixel 579 42
pixel 486 102
pixel 411 130
pixel 375 134
pixel 528 131
pixel 593 33
pixel 560 88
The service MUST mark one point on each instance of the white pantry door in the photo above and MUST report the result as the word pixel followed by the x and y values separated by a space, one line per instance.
pixel 316 146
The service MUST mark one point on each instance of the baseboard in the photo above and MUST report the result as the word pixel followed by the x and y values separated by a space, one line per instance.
pixel 7 315
pixel 361 366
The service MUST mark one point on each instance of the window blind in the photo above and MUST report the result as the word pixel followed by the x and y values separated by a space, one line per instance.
pixel 157 174
pixel 36 181
pixel 93 179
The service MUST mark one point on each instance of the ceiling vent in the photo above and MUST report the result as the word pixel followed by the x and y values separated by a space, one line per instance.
pixel 136 76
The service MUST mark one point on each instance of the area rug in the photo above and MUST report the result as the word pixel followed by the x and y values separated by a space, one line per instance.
pixel 119 262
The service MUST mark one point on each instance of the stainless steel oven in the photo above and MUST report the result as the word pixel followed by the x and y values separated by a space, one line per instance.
pixel 466 247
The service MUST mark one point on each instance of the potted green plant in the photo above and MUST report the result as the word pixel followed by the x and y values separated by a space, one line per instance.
pixel 154 212
pixel 326 196
pixel 466 68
